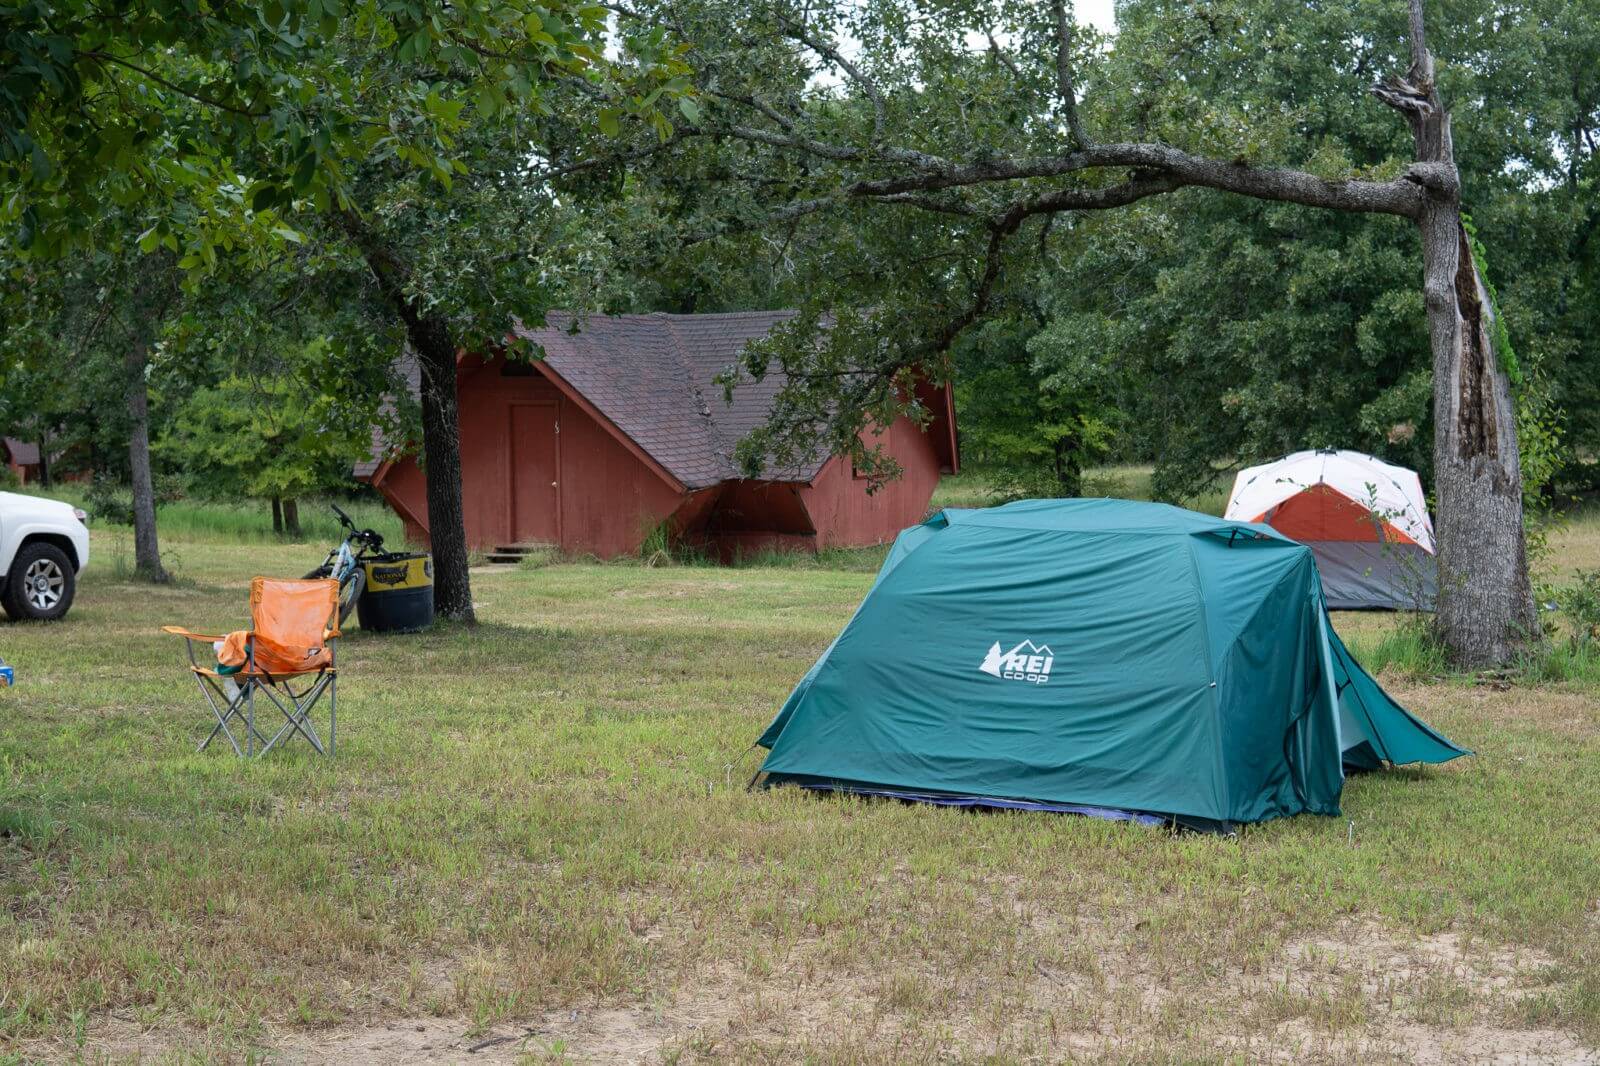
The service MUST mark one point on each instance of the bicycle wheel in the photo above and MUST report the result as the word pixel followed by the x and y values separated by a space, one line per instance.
pixel 350 592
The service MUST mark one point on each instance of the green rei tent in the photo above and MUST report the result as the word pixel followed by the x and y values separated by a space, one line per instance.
pixel 1126 659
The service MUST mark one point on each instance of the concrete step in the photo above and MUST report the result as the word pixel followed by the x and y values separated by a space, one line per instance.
pixel 515 553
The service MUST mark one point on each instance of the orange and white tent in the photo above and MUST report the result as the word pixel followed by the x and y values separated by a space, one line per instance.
pixel 1365 520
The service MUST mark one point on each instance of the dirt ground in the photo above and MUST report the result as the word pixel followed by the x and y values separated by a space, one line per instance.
pixel 1362 994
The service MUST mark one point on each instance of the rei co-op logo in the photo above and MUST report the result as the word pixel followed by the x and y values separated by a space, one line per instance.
pixel 1026 662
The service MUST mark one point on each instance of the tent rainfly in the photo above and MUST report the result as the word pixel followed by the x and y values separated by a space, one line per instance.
pixel 1129 660
pixel 1366 520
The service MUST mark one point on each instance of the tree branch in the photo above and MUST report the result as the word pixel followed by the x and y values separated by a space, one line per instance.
pixel 1416 96
pixel 1064 87
pixel 798 32
pixel 106 57
pixel 1400 196
pixel 1138 187
pixel 930 172
pixel 1421 58
pixel 840 153
pixel 1000 56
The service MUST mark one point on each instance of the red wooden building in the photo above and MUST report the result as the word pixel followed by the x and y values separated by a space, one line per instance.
pixel 22 459
pixel 621 429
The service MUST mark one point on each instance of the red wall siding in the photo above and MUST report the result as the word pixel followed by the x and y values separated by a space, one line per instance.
pixel 608 499
pixel 760 507
pixel 843 513
pixel 403 486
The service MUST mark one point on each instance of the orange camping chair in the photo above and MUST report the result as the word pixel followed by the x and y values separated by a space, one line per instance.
pixel 287 655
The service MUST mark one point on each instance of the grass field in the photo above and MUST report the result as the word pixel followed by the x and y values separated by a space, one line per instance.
pixel 535 838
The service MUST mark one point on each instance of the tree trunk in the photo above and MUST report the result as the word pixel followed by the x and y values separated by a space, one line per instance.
pixel 429 337
pixel 277 516
pixel 44 460
pixel 1485 609
pixel 146 551
pixel 291 517
pixel 1068 467
pixel 441 457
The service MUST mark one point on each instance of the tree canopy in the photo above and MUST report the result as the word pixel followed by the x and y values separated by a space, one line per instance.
pixel 222 118
pixel 1285 327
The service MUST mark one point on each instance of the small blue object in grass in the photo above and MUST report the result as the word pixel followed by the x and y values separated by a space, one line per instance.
pixel 7 675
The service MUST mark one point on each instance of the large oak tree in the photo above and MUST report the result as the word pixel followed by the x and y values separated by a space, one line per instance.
pixel 937 128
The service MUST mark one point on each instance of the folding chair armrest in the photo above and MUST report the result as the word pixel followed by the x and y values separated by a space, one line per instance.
pixel 179 631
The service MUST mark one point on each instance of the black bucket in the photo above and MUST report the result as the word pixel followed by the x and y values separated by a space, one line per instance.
pixel 399 593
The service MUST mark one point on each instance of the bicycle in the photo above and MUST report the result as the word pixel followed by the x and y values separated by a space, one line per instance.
pixel 344 562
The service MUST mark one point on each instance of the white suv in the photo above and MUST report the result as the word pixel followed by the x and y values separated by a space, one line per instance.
pixel 43 546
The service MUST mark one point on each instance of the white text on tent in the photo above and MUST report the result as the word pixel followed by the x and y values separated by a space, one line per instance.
pixel 1025 662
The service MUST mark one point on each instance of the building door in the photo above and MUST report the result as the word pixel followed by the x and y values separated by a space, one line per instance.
pixel 535 469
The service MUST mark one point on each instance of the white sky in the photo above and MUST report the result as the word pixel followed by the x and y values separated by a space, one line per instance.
pixel 1096 13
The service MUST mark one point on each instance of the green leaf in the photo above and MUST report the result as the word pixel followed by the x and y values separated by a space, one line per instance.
pixel 304 173
pixel 609 121
pixel 263 196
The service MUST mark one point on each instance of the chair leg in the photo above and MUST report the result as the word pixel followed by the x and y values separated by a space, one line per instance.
pixel 297 713
pixel 222 716
pixel 226 709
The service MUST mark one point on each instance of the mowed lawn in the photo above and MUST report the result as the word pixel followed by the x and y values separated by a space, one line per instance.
pixel 535 842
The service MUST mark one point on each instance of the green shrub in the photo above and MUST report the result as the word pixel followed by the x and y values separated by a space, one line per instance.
pixel 1558 661
pixel 1580 603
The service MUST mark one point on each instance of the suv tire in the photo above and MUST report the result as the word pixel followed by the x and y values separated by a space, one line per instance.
pixel 41 584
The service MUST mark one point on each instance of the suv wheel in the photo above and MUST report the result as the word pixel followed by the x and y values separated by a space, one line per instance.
pixel 41 583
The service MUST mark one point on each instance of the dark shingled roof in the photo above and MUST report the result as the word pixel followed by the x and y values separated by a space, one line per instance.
pixel 653 377
pixel 22 452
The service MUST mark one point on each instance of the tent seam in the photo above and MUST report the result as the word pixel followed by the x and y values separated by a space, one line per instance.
pixel 1211 681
